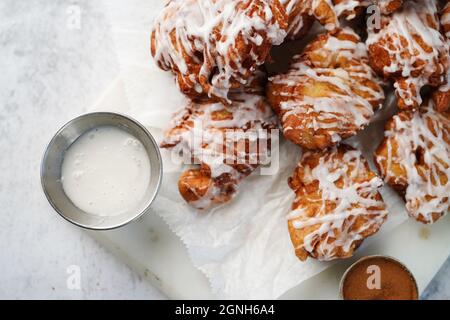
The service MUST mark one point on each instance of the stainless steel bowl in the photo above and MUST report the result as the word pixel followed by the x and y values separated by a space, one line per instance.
pixel 54 155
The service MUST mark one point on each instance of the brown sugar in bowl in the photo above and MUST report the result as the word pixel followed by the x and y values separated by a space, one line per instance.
pixel 378 278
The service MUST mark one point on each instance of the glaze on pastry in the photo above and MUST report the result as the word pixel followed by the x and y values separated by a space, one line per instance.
pixel 326 12
pixel 337 204
pixel 213 46
pixel 441 96
pixel 410 50
pixel 414 158
pixel 217 138
pixel 329 94
pixel 388 6
pixel 299 20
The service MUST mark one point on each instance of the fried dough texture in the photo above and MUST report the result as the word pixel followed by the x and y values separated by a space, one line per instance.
pixel 337 204
pixel 213 46
pixel 329 93
pixel 441 96
pixel 414 158
pixel 410 50
pixel 225 142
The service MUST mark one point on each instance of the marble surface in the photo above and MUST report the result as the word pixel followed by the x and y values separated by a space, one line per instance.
pixel 55 58
pixel 51 70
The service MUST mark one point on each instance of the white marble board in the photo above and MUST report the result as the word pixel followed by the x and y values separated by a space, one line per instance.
pixel 150 247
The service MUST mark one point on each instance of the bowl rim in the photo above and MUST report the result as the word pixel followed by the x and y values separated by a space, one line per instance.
pixel 388 257
pixel 102 113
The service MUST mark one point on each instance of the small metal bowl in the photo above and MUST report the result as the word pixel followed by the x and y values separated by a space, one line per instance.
pixel 341 285
pixel 54 155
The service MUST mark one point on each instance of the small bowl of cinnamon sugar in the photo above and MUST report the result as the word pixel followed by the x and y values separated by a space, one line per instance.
pixel 378 278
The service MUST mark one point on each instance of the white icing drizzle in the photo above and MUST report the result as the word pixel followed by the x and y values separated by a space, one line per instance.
pixel 445 23
pixel 343 106
pixel 198 40
pixel 296 12
pixel 349 7
pixel 198 131
pixel 350 208
pixel 427 131
pixel 385 5
pixel 445 19
pixel 411 64
pixel 327 12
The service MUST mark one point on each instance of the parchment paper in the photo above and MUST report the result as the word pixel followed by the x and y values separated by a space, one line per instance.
pixel 243 247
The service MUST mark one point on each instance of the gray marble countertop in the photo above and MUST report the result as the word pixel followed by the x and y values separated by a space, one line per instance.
pixel 53 65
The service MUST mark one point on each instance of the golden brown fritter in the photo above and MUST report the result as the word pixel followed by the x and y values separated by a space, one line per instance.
pixel 337 204
pixel 410 50
pixel 299 20
pixel 388 6
pixel 228 142
pixel 441 96
pixel 329 93
pixel 327 12
pixel 414 158
pixel 213 46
